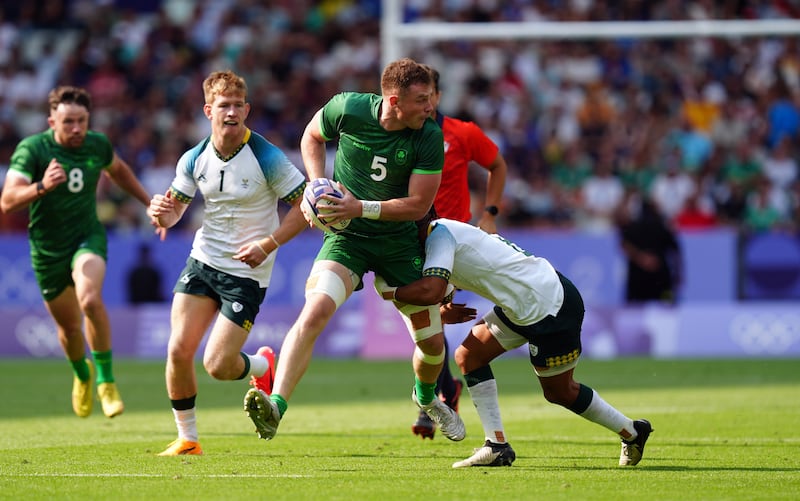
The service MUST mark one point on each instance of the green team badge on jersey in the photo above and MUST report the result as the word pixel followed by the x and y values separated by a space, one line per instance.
pixel 401 157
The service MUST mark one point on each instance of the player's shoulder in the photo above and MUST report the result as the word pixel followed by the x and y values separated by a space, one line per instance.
pixel 265 151
pixel 452 226
pixel 431 130
pixel 357 103
pixel 191 155
pixel 96 139
pixel 353 98
pixel 257 142
pixel 96 135
pixel 37 139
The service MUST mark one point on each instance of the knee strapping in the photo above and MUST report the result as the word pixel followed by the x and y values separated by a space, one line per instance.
pixel 429 359
pixel 422 321
pixel 329 283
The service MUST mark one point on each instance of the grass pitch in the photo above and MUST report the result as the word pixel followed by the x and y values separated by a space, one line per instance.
pixel 724 430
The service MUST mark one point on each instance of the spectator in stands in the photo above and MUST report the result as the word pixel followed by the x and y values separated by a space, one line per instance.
pixel 731 203
pixel 301 57
pixel 780 166
pixel 595 116
pixel 144 279
pixel 697 214
pixel 653 255
pixel 782 114
pixel 601 196
pixel 672 187
pixel 764 208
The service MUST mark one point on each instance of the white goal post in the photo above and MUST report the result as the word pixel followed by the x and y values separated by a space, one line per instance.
pixel 394 31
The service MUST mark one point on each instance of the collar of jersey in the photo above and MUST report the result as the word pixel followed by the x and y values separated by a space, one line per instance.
pixel 244 142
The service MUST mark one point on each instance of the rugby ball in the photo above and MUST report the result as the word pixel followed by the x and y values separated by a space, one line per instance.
pixel 313 207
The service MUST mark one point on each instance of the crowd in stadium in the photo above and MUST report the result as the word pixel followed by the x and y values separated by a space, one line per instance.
pixel 706 127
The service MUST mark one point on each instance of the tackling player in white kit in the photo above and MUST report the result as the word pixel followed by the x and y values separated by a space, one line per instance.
pixel 534 304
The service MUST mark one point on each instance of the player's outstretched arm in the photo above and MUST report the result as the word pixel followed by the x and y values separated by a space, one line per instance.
pixel 122 175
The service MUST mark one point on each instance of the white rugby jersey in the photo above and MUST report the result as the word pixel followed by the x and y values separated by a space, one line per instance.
pixel 241 197
pixel 526 287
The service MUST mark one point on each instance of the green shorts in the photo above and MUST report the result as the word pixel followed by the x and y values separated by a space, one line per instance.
pixel 399 262
pixel 53 269
pixel 239 298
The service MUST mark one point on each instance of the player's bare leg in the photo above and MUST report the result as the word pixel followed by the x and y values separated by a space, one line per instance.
pixel 69 324
pixel 328 286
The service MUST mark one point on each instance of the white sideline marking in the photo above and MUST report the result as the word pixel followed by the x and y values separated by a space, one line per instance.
pixel 149 475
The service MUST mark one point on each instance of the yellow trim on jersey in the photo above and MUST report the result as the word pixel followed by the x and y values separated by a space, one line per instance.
pixel 437 272
pixel 295 193
pixel 244 142
pixel 180 196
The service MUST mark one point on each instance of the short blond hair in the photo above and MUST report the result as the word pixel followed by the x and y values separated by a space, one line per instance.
pixel 223 83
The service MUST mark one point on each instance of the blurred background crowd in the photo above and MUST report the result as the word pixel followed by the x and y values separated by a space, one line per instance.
pixel 707 128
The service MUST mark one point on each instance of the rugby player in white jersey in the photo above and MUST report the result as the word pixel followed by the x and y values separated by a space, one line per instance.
pixel 241 176
pixel 534 304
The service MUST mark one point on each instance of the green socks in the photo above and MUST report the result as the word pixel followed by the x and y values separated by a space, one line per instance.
pixel 280 402
pixel 426 392
pixel 81 369
pixel 103 361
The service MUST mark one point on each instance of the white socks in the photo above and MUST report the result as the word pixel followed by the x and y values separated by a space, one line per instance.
pixel 600 412
pixel 187 424
pixel 484 397
pixel 258 365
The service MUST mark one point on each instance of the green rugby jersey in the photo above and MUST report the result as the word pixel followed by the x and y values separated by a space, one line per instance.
pixel 373 163
pixel 62 217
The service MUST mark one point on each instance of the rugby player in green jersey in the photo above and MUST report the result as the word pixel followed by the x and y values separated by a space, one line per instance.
pixel 389 160
pixel 55 174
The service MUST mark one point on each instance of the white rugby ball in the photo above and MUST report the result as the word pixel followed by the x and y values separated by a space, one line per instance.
pixel 313 207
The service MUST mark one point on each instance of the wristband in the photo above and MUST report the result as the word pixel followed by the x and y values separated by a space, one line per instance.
pixel 370 209
pixel 274 240
pixel 40 189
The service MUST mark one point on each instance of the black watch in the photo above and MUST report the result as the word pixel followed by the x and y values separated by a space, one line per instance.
pixel 492 209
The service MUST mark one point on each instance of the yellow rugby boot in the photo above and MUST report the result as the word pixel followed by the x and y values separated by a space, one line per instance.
pixel 109 397
pixel 82 393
